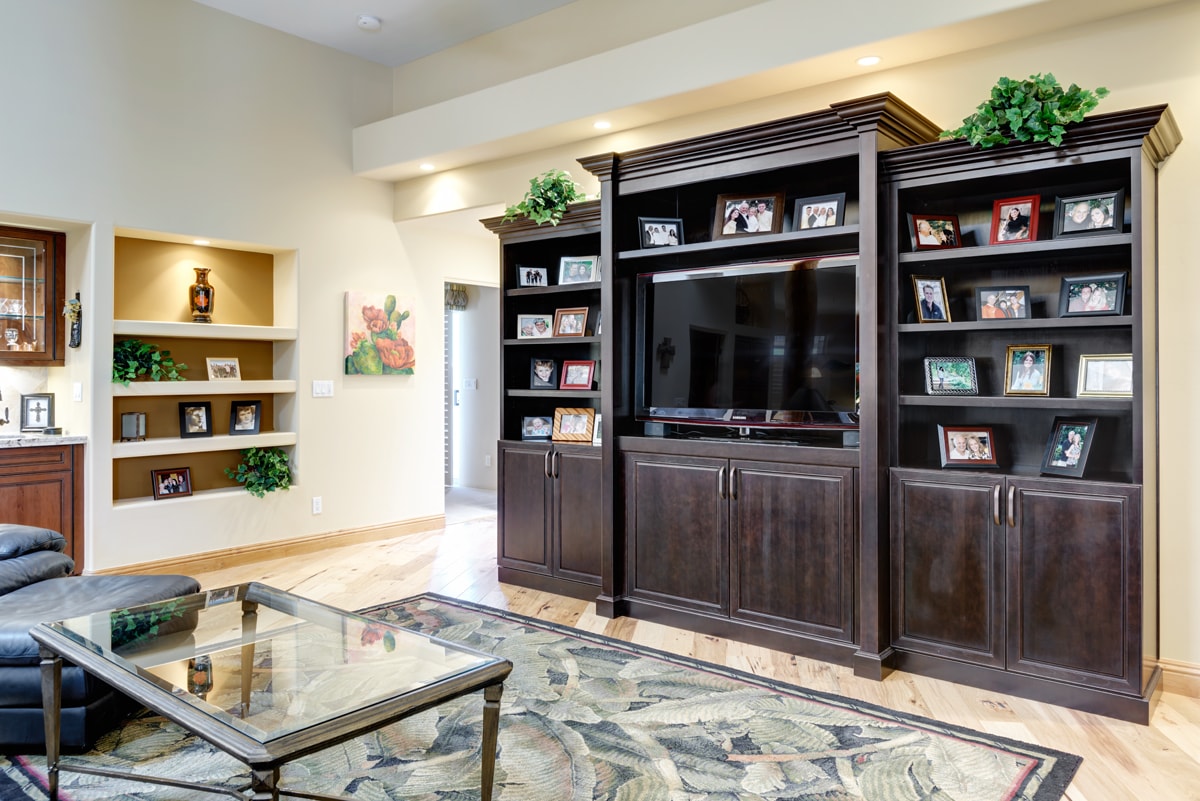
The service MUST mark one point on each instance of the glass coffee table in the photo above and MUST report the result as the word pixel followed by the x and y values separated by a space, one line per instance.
pixel 264 675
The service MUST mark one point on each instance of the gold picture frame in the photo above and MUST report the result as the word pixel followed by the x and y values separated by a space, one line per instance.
pixel 573 425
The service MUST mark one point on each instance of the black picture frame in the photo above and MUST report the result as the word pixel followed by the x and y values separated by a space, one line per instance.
pixel 543 374
pixel 1068 447
pixel 1007 302
pixel 928 309
pixel 939 232
pixel 805 216
pixel 1076 215
pixel 195 419
pixel 1092 295
pixel 537 429
pixel 951 375
pixel 37 411
pixel 245 417
pixel 171 482
pixel 532 276
pixel 765 203
pixel 655 232
pixel 967 446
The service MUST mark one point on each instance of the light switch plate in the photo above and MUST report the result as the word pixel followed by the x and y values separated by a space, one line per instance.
pixel 322 389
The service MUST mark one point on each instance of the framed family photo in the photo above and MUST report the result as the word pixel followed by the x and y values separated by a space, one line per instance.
pixel 967 446
pixel 1092 295
pixel 573 425
pixel 659 232
pixel 1105 375
pixel 536 429
pixel 543 374
pixel 195 419
pixel 1101 213
pixel 173 482
pixel 578 269
pixel 826 211
pixel 951 375
pixel 934 231
pixel 1068 447
pixel 577 374
pixel 739 215
pixel 1003 302
pixel 531 276
pixel 1027 370
pixel 931 299
pixel 245 417
pixel 225 368
pixel 535 326
pixel 570 322
pixel 1015 219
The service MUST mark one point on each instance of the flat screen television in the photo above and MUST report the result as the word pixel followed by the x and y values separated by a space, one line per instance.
pixel 764 344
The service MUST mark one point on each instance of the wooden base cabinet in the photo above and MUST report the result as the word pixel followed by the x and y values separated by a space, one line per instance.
pixel 766 544
pixel 43 486
pixel 549 517
pixel 1032 576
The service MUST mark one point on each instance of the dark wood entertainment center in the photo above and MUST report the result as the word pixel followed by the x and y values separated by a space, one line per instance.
pixel 872 554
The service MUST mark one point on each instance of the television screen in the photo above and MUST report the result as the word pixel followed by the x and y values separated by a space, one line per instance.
pixel 771 343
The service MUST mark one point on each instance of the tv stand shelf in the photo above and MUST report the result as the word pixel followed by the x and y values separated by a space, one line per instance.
pixel 826 241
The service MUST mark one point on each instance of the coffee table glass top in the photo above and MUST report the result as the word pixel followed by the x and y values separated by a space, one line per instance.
pixel 265 662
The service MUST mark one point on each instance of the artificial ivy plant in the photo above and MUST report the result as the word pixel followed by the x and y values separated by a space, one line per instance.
pixel 262 470
pixel 547 198
pixel 133 358
pixel 1036 109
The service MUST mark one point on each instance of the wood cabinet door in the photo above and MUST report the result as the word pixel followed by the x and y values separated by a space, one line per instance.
pixel 44 487
pixel 948 565
pixel 1074 574
pixel 677 530
pixel 578 520
pixel 524 508
pixel 792 537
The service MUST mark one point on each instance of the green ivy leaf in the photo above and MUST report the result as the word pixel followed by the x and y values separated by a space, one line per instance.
pixel 1036 109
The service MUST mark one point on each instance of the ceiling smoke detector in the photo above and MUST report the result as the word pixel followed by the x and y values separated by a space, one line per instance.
pixel 369 23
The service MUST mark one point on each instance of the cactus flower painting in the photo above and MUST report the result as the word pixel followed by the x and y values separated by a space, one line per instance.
pixel 379 335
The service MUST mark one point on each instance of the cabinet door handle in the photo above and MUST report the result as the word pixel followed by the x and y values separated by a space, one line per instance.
pixel 733 482
pixel 546 463
pixel 721 483
pixel 1012 507
pixel 996 504
pixel 554 462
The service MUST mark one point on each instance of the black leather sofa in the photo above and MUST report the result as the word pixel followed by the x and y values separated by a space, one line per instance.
pixel 36 585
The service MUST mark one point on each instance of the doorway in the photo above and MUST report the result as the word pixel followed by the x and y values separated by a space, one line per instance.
pixel 472 385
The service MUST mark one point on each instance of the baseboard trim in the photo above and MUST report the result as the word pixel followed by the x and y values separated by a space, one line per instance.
pixel 245 554
pixel 1181 678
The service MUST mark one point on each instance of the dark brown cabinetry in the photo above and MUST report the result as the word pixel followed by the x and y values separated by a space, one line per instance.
pixel 32 272
pixel 43 486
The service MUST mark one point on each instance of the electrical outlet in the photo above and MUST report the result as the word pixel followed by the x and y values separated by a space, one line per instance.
pixel 487 460
pixel 316 502
pixel 77 392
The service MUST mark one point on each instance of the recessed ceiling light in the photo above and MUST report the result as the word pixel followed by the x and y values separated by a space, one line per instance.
pixel 868 61
pixel 369 23
pixel 427 167
pixel 601 125
pixel 201 242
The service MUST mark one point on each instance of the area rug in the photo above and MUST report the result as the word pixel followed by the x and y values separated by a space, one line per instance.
pixel 584 718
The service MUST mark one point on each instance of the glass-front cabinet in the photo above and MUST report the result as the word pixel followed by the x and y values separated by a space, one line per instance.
pixel 31 296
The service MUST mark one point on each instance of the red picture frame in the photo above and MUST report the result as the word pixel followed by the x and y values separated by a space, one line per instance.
pixel 577 374
pixel 1015 220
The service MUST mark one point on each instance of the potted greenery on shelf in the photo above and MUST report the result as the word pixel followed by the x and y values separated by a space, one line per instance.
pixel 262 470
pixel 1036 109
pixel 547 198
pixel 133 358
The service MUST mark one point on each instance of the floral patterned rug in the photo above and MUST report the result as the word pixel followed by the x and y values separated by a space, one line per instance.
pixel 584 718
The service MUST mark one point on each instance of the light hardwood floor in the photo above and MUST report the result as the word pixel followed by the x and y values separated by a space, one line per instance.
pixel 1121 760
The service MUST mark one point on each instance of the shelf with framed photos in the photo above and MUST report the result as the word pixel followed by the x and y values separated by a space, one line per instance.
pixel 1035 268
pixel 244 359
pixel 32 276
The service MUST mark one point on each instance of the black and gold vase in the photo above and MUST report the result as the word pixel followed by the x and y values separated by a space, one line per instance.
pixel 200 296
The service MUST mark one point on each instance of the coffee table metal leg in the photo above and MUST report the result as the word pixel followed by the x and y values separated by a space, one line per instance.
pixel 264 784
pixel 491 731
pixel 51 665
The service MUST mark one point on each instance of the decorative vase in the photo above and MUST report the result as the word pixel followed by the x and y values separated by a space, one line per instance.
pixel 200 296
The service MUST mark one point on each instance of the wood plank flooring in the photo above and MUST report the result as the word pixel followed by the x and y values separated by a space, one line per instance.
pixel 1122 761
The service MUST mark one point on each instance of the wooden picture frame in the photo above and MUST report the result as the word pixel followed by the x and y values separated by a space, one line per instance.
pixel 535 326
pixel 536 429
pixel 660 232
pixel 245 417
pixel 195 419
pixel 1068 447
pixel 223 368
pixel 967 446
pixel 543 374
pixel 577 374
pixel 1105 375
pixel 1089 215
pixel 571 322
pixel 744 215
pixel 824 211
pixel 934 231
pixel 1027 370
pixel 930 296
pixel 578 269
pixel 532 276
pixel 172 482
pixel 951 375
pixel 1092 295
pixel 37 411
pixel 1002 302
pixel 1014 220
pixel 573 425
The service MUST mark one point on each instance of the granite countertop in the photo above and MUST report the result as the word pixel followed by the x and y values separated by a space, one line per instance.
pixel 39 440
